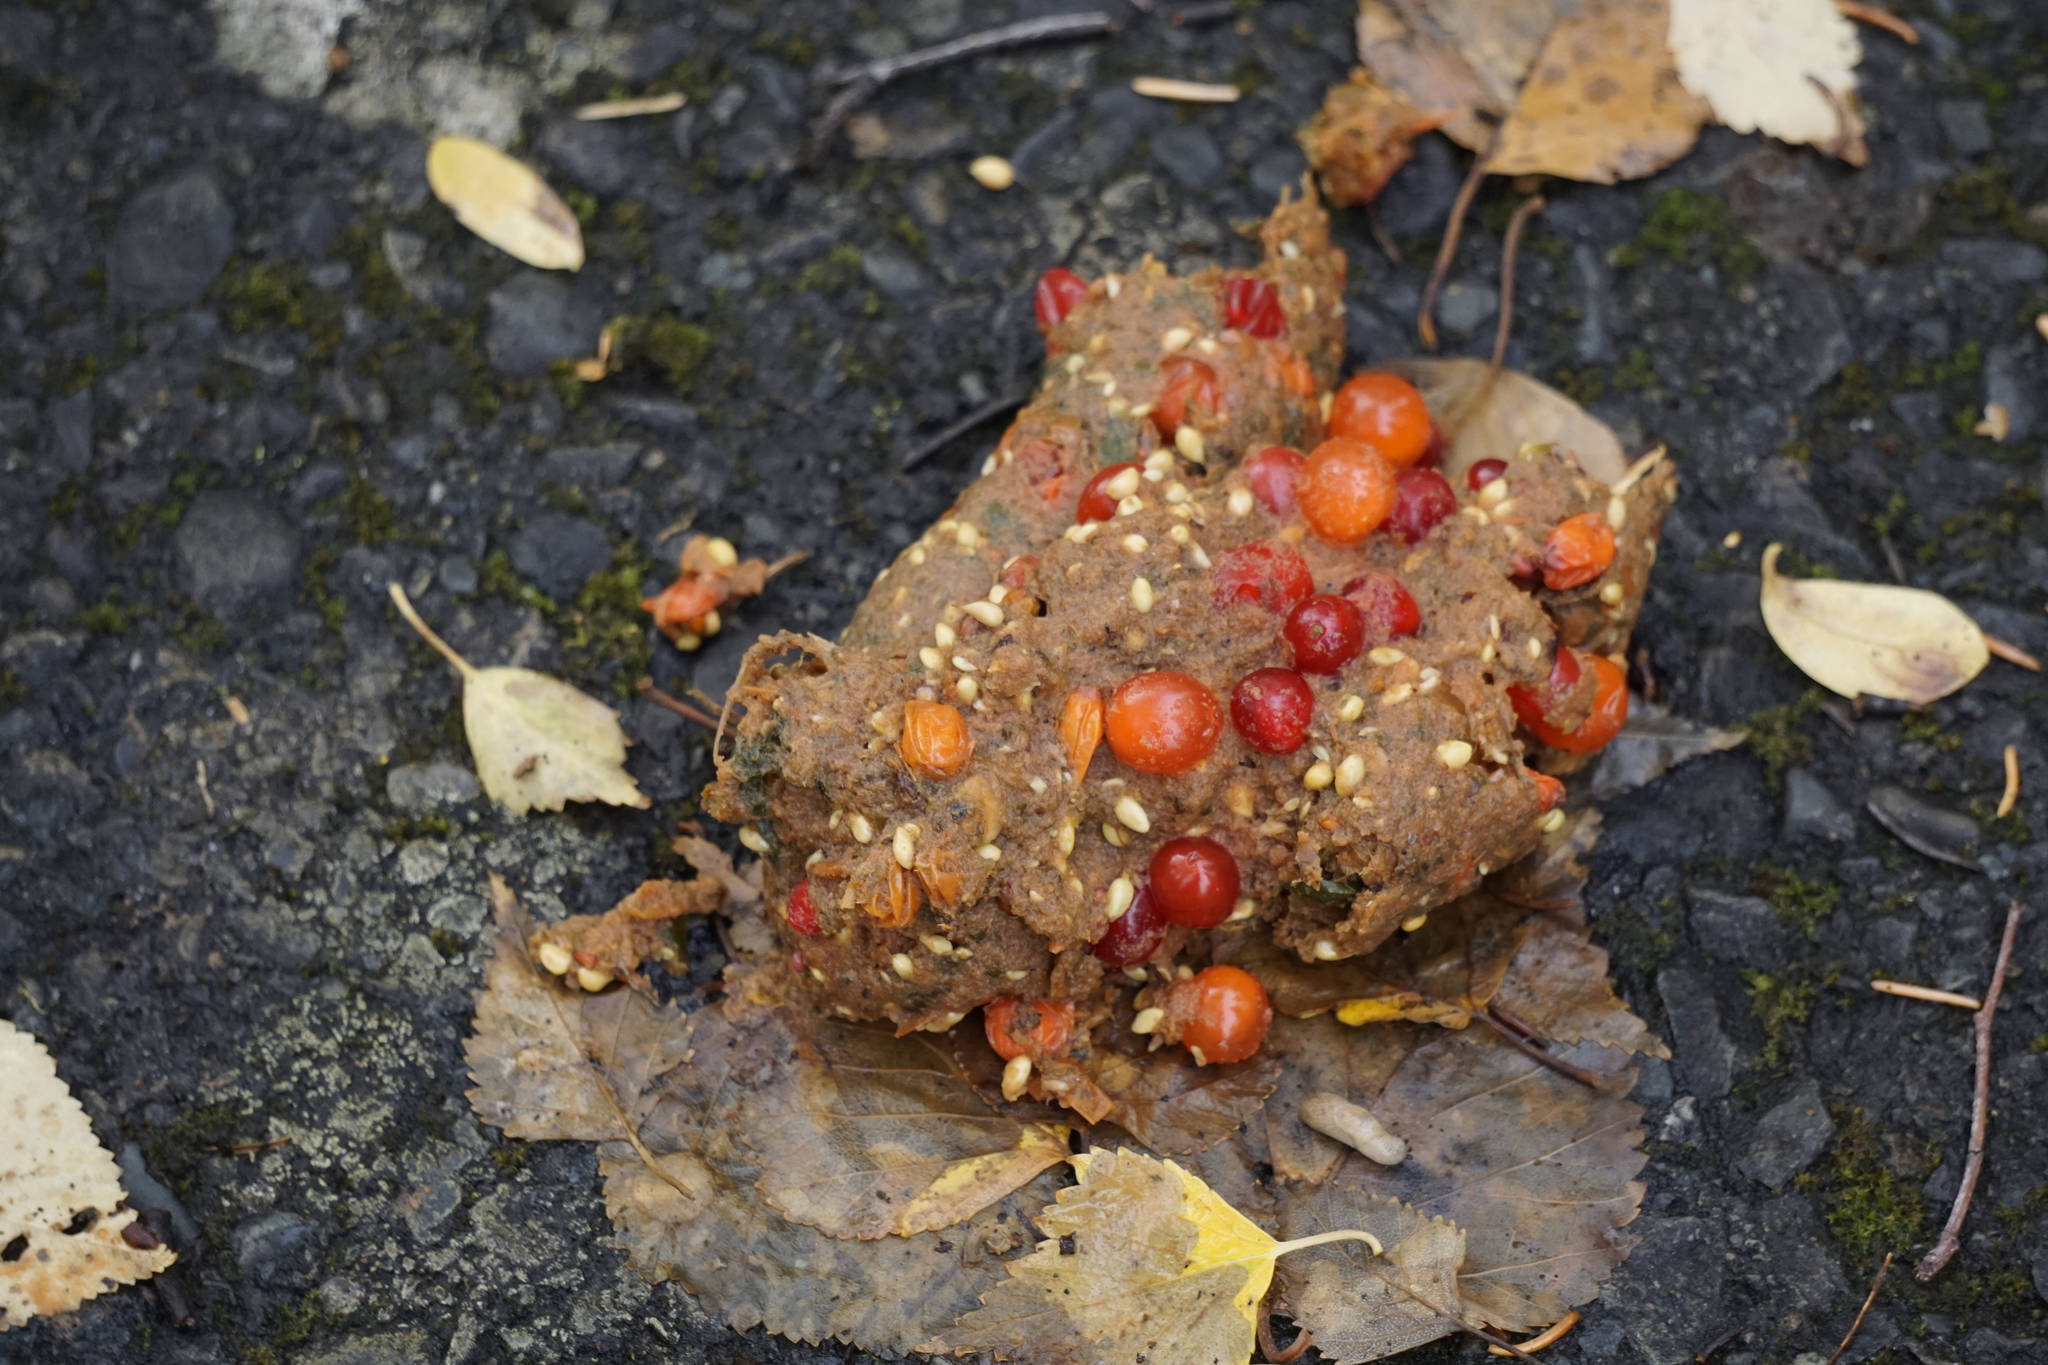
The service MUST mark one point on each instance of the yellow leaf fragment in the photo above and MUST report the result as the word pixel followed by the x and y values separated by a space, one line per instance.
pixel 537 742
pixel 502 201
pixel 55 1174
pixel 1782 67
pixel 1871 639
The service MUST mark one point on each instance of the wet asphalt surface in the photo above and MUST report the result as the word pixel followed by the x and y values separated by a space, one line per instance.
pixel 252 372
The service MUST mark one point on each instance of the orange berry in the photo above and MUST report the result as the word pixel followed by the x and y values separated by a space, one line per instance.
pixel 935 741
pixel 1220 1012
pixel 1017 1028
pixel 1189 391
pixel 1162 722
pixel 1610 711
pixel 1577 551
pixel 1345 490
pixel 1384 411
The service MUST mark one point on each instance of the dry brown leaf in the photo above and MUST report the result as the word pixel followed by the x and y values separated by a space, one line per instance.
pixel 1463 59
pixel 502 201
pixel 1871 639
pixel 1177 1108
pixel 661 1092
pixel 1362 134
pixel 746 915
pixel 1559 987
pixel 54 1174
pixel 1652 743
pixel 537 742
pixel 1782 67
pixel 1486 419
pixel 1361 1307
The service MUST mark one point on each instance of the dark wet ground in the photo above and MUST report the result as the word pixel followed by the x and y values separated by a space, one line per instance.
pixel 252 372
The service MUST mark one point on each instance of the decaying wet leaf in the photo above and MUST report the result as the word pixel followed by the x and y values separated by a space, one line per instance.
pixel 592 951
pixel 1362 134
pixel 1175 1107
pixel 746 916
pixel 1652 743
pixel 502 201
pixel 1489 415
pixel 1944 834
pixel 1782 67
pixel 1462 58
pixel 662 1093
pixel 1559 987
pixel 1362 1307
pixel 1871 639
pixel 538 743
pixel 61 1220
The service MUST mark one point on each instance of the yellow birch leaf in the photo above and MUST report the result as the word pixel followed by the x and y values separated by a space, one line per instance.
pixel 54 1175
pixel 537 742
pixel 1872 639
pixel 502 201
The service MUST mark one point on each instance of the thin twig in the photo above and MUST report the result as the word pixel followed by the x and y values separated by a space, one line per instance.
pixel 1980 1111
pixel 1549 1336
pixel 682 708
pixel 1538 1055
pixel 1868 1299
pixel 864 80
pixel 1878 18
pixel 1425 317
pixel 1532 205
pixel 631 108
pixel 988 411
pixel 1526 1030
pixel 2011 653
pixel 1927 993
pixel 1186 92
pixel 1381 236
pixel 2012 782
pixel 1274 1355
pixel 1706 1353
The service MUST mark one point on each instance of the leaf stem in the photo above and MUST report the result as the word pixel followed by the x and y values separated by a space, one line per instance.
pixel 1321 1238
pixel 426 632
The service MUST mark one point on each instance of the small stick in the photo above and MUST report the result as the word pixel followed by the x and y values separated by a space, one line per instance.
pixel 1205 14
pixel 647 689
pixel 632 108
pixel 204 795
pixel 1538 1055
pixel 2011 653
pixel 1890 23
pixel 1425 317
pixel 1951 1238
pixel 1869 1299
pixel 1532 205
pixel 1188 92
pixel 2012 782
pixel 1549 1336
pixel 1274 1355
pixel 1705 1353
pixel 251 1148
pixel 988 411
pixel 1847 146
pixel 1512 1022
pixel 1381 236
pixel 1927 993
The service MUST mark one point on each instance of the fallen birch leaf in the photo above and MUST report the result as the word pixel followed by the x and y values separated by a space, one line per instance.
pixel 1782 67
pixel 1871 639
pixel 1486 418
pixel 538 743
pixel 1465 59
pixel 1361 1308
pixel 502 201
pixel 61 1220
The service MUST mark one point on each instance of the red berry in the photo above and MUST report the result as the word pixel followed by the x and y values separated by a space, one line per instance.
pixel 1577 551
pixel 1194 881
pixel 1275 577
pixel 1422 499
pixel 1189 388
pixel 1433 453
pixel 1220 1012
pixel 1134 935
pixel 1059 289
pixel 1610 711
pixel 1271 708
pixel 1346 490
pixel 801 914
pixel 1016 1028
pixel 1162 722
pixel 1549 791
pixel 1389 611
pixel 1326 631
pixel 1384 411
pixel 1484 472
pixel 1096 503
pixel 1252 307
pixel 1533 703
pixel 1271 475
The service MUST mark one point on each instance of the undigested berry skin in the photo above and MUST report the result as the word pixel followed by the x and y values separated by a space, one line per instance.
pixel 935 743
pixel 1004 1021
pixel 1265 573
pixel 1163 722
pixel 1384 411
pixel 1194 881
pixel 1253 307
pixel 1271 709
pixel 1096 503
pixel 1533 703
pixel 1059 289
pixel 1609 714
pixel 1134 935
pixel 1271 475
pixel 1326 632
pixel 1220 1014
pixel 1387 608
pixel 1188 393
pixel 1577 551
pixel 1423 500
pixel 1346 490
pixel 799 911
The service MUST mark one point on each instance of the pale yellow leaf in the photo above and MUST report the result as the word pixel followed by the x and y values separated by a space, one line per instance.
pixel 1491 420
pixel 53 1171
pixel 502 201
pixel 1871 639
pixel 537 742
pixel 1762 64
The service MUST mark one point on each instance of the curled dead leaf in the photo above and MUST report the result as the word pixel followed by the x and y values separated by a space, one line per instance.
pixel 1363 133
pixel 502 201
pixel 1871 639
pixel 1487 414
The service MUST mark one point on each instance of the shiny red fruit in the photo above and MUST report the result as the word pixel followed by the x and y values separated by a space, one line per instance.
pixel 1271 708
pixel 1188 390
pixel 1389 611
pixel 1384 411
pixel 1194 881
pixel 1059 289
pixel 1484 472
pixel 1533 703
pixel 1252 307
pixel 1423 500
pixel 1134 935
pixel 1016 1028
pixel 1271 476
pixel 1433 453
pixel 1163 722
pixel 1326 632
pixel 801 914
pixel 1275 577
pixel 1096 504
pixel 1610 711
pixel 1220 1013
